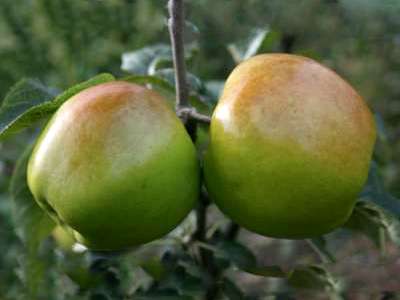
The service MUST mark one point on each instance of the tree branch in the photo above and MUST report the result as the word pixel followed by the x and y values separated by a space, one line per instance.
pixel 190 117
pixel 175 26
pixel 186 113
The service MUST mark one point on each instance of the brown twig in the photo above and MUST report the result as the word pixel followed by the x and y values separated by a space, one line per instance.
pixel 176 27
pixel 186 113
pixel 190 117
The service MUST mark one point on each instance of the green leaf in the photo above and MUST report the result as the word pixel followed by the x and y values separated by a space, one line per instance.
pixel 231 290
pixel 22 97
pixel 96 80
pixel 245 260
pixel 381 128
pixel 32 226
pixel 314 277
pixel 29 101
pixel 191 33
pixel 375 222
pixel 184 283
pixel 139 61
pixel 392 225
pixel 164 79
pixel 379 217
pixel 214 89
pixel 144 61
pixel 159 63
pixel 149 79
pixel 165 291
pixel 366 218
pixel 31 221
pixel 236 253
pixel 99 296
pixel 77 268
pixel 154 268
pixel 271 42
pixel 266 271
pixel 376 192
pixel 168 74
pixel 196 89
pixel 198 102
pixel 250 47
pixel 160 297
pixel 319 245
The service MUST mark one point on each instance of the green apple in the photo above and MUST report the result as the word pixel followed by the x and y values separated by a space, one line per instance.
pixel 115 167
pixel 290 147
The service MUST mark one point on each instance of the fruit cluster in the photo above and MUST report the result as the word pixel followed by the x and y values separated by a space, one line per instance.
pixel 289 151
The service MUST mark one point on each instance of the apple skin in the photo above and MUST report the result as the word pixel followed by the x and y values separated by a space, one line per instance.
pixel 115 166
pixel 290 147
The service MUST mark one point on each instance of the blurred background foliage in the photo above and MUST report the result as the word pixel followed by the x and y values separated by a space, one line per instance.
pixel 63 42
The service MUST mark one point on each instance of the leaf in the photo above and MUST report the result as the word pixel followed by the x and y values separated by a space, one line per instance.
pixel 271 42
pixel 99 296
pixel 178 285
pixel 24 95
pixel 198 102
pixel 138 62
pixel 255 42
pixel 376 192
pixel 77 268
pixel 184 283
pixel 374 221
pixel 378 217
pixel 31 221
pixel 314 277
pixel 245 260
pixel 159 63
pixel 319 245
pixel 236 253
pixel 231 290
pixel 30 101
pixel 32 226
pixel 96 80
pixel 160 297
pixel 381 128
pixel 267 271
pixel 250 47
pixel 168 74
pixel 214 89
pixel 149 79
pixel 392 225
pixel 191 32
pixel 144 61
pixel 184 232
pixel 154 268
pixel 367 220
